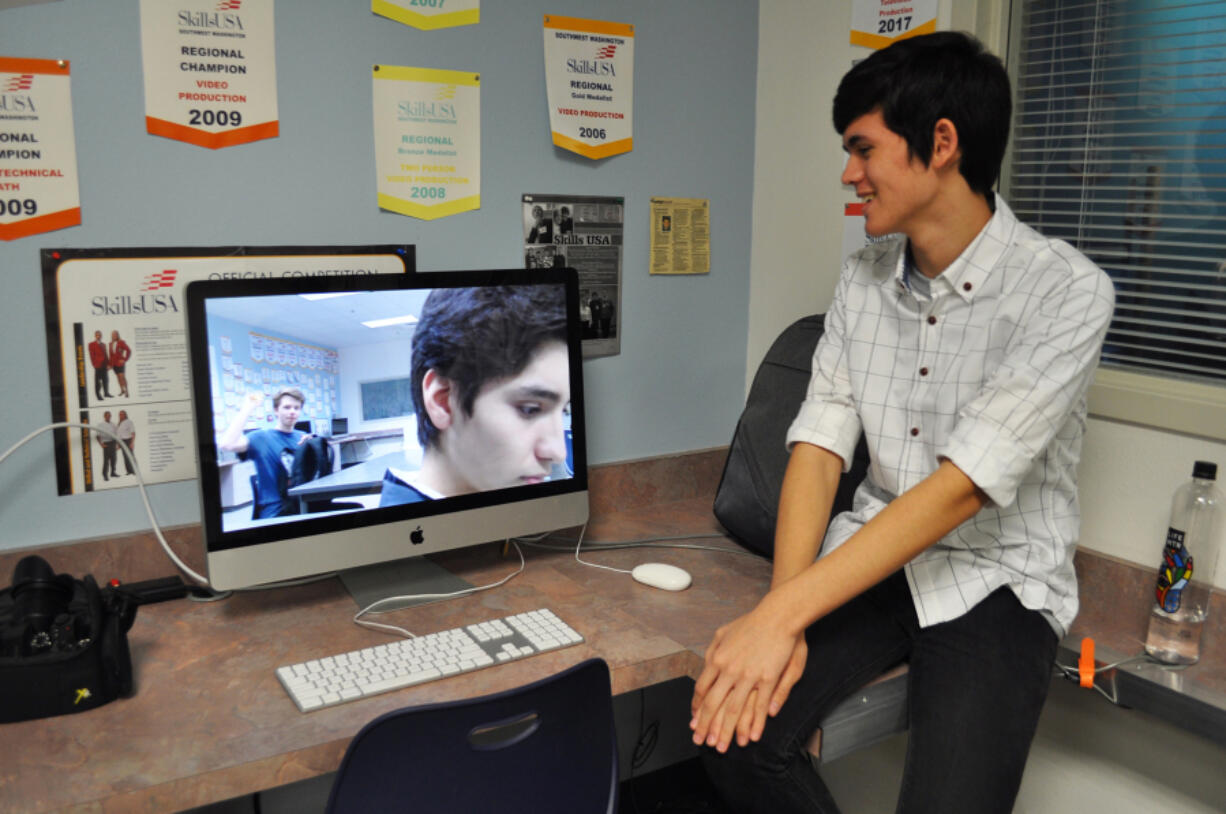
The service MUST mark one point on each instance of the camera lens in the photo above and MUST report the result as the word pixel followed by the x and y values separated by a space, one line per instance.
pixel 38 595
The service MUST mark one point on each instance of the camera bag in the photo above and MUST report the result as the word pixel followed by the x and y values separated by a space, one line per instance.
pixel 92 667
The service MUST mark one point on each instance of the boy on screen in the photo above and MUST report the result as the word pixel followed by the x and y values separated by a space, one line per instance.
pixel 491 384
pixel 272 450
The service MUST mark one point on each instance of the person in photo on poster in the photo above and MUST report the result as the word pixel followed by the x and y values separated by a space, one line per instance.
pixel 490 411
pixel 98 357
pixel 566 224
pixel 958 554
pixel 117 356
pixel 106 439
pixel 126 431
pixel 541 230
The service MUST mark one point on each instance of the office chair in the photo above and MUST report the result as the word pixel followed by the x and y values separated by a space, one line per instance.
pixel 545 747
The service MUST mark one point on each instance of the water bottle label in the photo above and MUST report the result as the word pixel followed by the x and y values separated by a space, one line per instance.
pixel 1175 571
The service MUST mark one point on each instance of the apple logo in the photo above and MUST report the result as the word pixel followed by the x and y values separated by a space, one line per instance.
pixel 416 536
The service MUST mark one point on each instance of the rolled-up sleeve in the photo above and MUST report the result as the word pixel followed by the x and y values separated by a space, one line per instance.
pixel 828 416
pixel 1042 378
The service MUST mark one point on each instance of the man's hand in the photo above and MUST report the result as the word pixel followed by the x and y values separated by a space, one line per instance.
pixel 751 666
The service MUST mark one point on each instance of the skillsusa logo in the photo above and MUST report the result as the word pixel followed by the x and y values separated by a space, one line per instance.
pixel 607 52
pixel 230 5
pixel 21 82
pixel 159 279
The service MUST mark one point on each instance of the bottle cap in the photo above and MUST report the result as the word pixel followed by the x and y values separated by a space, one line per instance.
pixel 1206 470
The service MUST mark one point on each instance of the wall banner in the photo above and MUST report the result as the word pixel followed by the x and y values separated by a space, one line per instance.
pixel 38 155
pixel 878 23
pixel 429 14
pixel 589 79
pixel 427 140
pixel 210 71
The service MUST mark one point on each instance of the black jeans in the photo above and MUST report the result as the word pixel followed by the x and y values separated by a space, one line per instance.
pixel 976 686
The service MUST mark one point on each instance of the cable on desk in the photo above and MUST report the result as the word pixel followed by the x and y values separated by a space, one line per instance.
pixel 371 608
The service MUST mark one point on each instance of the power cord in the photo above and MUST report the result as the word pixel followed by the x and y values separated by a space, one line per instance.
pixel 372 607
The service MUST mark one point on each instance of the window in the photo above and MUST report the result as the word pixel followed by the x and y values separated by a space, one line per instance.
pixel 1119 147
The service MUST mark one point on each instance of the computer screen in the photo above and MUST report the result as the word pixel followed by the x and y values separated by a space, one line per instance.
pixel 461 400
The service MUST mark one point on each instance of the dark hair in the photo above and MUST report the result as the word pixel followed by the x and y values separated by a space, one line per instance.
pixel 292 392
pixel 476 335
pixel 946 75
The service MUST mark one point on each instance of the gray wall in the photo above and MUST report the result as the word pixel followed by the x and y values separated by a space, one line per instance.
pixel 678 384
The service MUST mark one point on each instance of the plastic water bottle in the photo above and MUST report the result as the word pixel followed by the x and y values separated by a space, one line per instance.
pixel 1185 576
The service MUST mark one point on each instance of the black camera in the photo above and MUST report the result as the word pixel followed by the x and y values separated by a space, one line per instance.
pixel 63 643
pixel 43 617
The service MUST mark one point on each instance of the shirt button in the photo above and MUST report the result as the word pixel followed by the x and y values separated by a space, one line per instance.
pixel 923 371
pixel 932 320
pixel 967 286
pixel 915 431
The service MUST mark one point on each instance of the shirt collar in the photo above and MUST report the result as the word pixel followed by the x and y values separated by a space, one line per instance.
pixel 967 273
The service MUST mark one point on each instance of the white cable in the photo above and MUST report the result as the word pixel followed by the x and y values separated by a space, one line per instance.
pixel 579 543
pixel 358 620
pixel 157 530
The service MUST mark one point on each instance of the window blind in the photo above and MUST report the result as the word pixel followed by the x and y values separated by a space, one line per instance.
pixel 1119 147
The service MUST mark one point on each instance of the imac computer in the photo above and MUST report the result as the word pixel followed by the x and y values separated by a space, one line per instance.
pixel 459 396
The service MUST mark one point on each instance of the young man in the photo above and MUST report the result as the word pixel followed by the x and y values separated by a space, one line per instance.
pixel 98 359
pixel 491 383
pixel 272 450
pixel 963 351
pixel 110 447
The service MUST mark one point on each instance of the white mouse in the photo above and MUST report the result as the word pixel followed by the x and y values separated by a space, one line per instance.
pixel 662 575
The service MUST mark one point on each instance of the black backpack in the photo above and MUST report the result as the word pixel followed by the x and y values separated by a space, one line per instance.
pixel 747 498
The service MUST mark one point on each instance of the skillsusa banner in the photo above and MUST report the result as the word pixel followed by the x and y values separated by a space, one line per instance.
pixel 38 155
pixel 589 78
pixel 210 71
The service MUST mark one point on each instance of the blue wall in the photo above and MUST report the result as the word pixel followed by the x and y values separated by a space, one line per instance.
pixel 678 384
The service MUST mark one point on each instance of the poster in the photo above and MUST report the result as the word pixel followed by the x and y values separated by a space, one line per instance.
pixel 585 233
pixel 210 71
pixel 589 80
pixel 680 236
pixel 429 14
pixel 427 140
pixel 877 23
pixel 38 154
pixel 117 346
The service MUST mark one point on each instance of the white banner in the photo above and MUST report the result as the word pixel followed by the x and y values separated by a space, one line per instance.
pixel 877 23
pixel 427 140
pixel 38 155
pixel 429 14
pixel 210 71
pixel 589 79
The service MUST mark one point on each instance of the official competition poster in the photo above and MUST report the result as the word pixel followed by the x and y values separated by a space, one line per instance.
pixel 210 71
pixel 117 344
pixel 589 80
pixel 585 233
pixel 429 14
pixel 38 156
pixel 427 140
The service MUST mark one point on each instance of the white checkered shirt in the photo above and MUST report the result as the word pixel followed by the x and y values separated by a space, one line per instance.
pixel 991 373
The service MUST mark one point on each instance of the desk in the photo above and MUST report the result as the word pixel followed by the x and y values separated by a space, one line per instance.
pixel 364 478
pixel 209 720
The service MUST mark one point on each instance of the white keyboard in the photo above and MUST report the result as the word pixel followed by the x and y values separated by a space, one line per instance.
pixel 325 682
